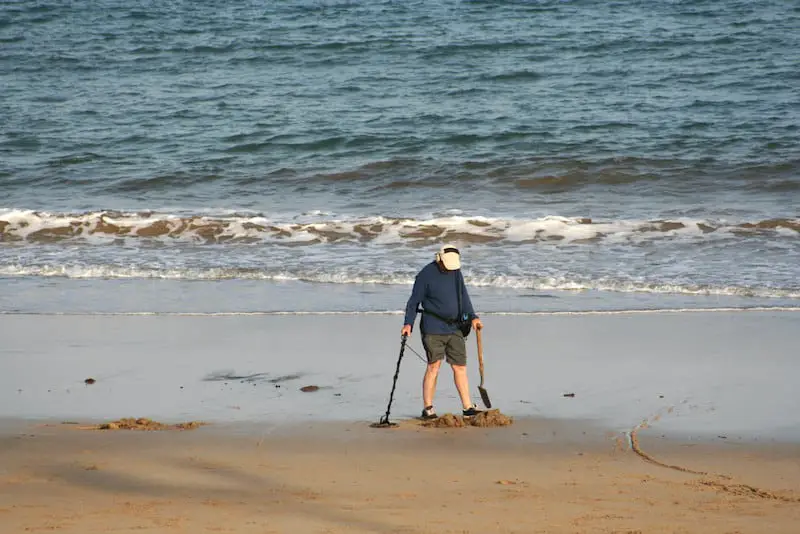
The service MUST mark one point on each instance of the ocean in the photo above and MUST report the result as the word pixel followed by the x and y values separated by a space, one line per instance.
pixel 311 156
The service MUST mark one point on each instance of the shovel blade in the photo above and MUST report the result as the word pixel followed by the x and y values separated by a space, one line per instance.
pixel 485 397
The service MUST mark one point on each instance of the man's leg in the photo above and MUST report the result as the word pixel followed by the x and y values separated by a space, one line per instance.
pixel 462 384
pixel 434 350
pixel 429 382
pixel 457 358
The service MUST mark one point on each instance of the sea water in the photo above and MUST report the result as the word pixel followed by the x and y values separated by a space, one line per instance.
pixel 311 156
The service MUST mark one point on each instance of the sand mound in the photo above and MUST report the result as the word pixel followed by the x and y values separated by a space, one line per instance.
pixel 490 418
pixel 143 423
pixel 447 420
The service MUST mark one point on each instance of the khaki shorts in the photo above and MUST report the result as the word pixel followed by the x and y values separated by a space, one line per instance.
pixel 450 346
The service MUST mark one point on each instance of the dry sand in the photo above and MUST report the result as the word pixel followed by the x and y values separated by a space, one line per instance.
pixel 533 476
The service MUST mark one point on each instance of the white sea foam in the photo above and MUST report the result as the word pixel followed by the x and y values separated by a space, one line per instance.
pixel 552 283
pixel 654 311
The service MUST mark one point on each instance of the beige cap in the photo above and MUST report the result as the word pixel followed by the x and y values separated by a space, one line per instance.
pixel 450 257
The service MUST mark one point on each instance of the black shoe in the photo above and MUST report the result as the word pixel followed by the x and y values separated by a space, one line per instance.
pixel 428 413
pixel 472 410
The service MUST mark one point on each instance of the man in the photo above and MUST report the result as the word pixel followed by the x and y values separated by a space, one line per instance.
pixel 437 287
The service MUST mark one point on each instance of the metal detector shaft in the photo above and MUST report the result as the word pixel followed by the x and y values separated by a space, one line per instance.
pixel 385 419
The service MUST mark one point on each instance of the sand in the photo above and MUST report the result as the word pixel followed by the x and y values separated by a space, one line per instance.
pixel 703 373
pixel 485 419
pixel 622 423
pixel 143 424
pixel 533 476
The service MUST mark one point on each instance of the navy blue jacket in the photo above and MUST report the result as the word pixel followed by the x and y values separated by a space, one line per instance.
pixel 436 291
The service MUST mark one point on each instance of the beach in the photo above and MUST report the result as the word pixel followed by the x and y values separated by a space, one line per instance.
pixel 348 477
pixel 212 215
pixel 637 422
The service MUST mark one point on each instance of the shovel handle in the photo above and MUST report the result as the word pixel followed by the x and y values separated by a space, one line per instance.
pixel 480 352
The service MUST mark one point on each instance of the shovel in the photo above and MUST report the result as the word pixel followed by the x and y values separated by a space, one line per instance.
pixel 481 389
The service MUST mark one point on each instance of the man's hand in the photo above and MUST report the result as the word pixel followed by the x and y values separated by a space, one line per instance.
pixel 477 324
pixel 406 331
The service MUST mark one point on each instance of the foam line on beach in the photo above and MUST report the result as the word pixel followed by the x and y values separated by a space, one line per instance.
pixel 745 490
pixel 81 267
pixel 400 312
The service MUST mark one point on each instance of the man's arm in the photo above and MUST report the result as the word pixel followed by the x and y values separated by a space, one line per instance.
pixel 466 306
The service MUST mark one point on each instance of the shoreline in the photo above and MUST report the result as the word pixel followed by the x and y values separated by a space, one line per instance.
pixel 379 313
pixel 62 294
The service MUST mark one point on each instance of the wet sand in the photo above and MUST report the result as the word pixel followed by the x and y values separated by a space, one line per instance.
pixel 694 374
pixel 534 476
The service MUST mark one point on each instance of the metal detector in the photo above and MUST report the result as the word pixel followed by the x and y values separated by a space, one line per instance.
pixel 384 422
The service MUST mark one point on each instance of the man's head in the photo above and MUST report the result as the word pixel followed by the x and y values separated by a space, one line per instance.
pixel 449 257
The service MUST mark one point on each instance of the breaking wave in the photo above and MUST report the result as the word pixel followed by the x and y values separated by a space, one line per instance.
pixel 104 227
